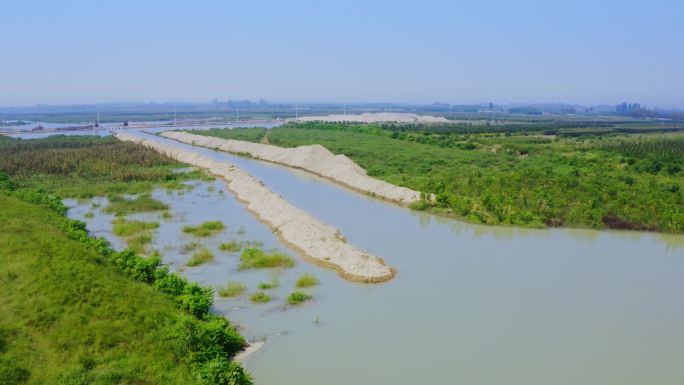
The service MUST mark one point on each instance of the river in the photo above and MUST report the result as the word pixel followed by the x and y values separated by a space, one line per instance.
pixel 470 304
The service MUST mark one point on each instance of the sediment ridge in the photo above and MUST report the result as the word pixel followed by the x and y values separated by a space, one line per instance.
pixel 315 159
pixel 316 241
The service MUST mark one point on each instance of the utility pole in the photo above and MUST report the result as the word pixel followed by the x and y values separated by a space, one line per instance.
pixel 237 114
pixel 296 111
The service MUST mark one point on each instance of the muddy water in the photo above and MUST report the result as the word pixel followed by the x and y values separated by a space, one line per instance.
pixel 470 305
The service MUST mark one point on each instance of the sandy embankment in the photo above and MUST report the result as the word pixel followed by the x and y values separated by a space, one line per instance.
pixel 315 159
pixel 374 117
pixel 316 241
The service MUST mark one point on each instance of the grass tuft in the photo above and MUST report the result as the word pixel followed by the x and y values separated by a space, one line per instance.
pixel 232 289
pixel 206 229
pixel 231 246
pixel 124 228
pixel 201 257
pixel 253 258
pixel 260 297
pixel 298 297
pixel 120 206
pixel 307 280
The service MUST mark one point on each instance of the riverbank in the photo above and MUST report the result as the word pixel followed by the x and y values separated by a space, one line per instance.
pixel 316 241
pixel 315 159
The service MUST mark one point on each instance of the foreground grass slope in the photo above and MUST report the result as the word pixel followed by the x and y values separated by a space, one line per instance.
pixel 68 318
pixel 598 181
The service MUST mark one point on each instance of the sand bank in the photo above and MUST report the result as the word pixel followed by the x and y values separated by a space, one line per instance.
pixel 374 117
pixel 316 241
pixel 315 159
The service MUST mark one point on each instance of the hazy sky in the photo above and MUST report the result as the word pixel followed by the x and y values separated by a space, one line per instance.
pixel 583 51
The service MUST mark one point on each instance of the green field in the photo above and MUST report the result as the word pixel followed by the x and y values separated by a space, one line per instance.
pixel 73 310
pixel 521 178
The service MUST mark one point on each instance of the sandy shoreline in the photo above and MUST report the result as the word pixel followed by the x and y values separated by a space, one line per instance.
pixel 316 241
pixel 315 159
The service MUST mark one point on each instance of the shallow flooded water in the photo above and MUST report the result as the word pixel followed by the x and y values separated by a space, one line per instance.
pixel 470 304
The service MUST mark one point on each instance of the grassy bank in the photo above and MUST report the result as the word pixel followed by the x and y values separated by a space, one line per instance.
pixel 84 167
pixel 75 311
pixel 518 178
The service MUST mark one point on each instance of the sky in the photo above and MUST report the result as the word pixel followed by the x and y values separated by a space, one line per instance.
pixel 524 51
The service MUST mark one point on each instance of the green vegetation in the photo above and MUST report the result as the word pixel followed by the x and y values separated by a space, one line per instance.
pixel 125 228
pixel 298 297
pixel 307 280
pixel 516 177
pixel 74 311
pixel 232 289
pixel 272 284
pixel 88 166
pixel 253 258
pixel 260 297
pixel 189 247
pixel 121 206
pixel 206 229
pixel 138 243
pixel 89 215
pixel 231 246
pixel 201 257
pixel 248 134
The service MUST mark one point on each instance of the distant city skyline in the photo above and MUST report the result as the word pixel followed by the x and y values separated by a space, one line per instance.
pixel 524 52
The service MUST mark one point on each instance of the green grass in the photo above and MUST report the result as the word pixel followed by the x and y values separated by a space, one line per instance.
pixel 231 246
pixel 189 247
pixel 518 178
pixel 143 203
pixel 205 229
pixel 68 316
pixel 253 258
pixel 126 228
pixel 89 215
pixel 298 297
pixel 307 280
pixel 247 134
pixel 201 257
pixel 260 297
pixel 138 243
pixel 272 284
pixel 232 289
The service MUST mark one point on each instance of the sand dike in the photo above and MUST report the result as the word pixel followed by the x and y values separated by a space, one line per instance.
pixel 316 241
pixel 315 159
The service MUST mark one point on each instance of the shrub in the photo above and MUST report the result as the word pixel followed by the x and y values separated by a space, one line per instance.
pixel 232 290
pixel 298 297
pixel 258 259
pixel 200 257
pixel 260 297
pixel 307 280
